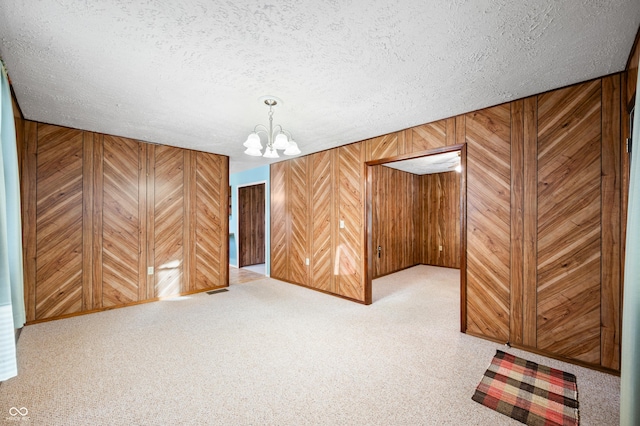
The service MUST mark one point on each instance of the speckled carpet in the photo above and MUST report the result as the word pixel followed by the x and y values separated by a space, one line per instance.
pixel 271 353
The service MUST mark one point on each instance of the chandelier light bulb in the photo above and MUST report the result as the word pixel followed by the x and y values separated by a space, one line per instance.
pixel 253 141
pixel 254 152
pixel 292 149
pixel 281 142
pixel 270 152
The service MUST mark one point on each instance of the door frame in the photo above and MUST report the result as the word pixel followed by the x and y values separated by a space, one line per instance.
pixel 368 209
pixel 266 195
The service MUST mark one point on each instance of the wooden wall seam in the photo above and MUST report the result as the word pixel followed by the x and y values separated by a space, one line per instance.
pixel 87 221
pixel 530 227
pixel 610 218
pixel 517 222
pixel 29 208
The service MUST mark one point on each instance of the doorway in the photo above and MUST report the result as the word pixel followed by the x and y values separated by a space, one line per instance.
pixel 251 225
pixel 373 248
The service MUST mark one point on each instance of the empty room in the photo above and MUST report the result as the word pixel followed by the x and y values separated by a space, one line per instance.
pixel 319 213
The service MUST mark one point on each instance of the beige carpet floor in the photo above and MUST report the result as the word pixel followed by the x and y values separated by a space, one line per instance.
pixel 271 353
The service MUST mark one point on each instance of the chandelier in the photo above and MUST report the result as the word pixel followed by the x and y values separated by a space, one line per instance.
pixel 277 138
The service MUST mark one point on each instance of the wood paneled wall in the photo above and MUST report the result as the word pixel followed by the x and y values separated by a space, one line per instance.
pixel 310 196
pixel 98 210
pixel 632 71
pixel 439 220
pixel 397 215
pixel 543 211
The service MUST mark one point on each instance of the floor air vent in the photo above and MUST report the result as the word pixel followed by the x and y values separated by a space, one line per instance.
pixel 222 290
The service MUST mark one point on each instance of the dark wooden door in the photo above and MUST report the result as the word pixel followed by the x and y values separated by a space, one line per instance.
pixel 251 224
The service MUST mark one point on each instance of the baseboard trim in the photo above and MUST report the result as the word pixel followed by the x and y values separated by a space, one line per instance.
pixel 549 355
pixel 320 291
pixel 126 305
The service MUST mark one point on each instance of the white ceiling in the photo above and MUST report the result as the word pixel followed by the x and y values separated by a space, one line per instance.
pixel 189 73
pixel 439 163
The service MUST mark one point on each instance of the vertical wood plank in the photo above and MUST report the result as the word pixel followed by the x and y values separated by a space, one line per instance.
pixel 188 184
pixel 151 222
pixel 461 132
pixel 87 221
pixel 610 217
pixel 529 221
pixel 517 224
pixel 98 202
pixel 625 170
pixel 29 197
pixel 142 220
pixel 451 131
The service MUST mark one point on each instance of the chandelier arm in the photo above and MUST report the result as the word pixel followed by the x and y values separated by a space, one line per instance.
pixel 260 128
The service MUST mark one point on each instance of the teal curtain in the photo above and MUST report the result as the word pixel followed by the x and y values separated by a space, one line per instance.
pixel 12 313
pixel 630 371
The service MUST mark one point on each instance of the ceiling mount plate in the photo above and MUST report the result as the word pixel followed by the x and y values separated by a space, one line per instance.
pixel 271 100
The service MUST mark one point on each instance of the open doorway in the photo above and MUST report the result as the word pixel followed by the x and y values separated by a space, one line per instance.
pixel 251 227
pixel 398 219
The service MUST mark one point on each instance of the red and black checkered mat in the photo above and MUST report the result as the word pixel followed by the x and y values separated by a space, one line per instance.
pixel 528 392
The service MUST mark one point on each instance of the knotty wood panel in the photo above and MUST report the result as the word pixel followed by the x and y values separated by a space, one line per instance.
pixel 120 218
pixel 441 221
pixel 569 222
pixel 298 208
pixel 322 221
pixel 59 221
pixel 488 221
pixel 251 216
pixel 212 221
pixel 279 248
pixel 169 212
pixel 350 251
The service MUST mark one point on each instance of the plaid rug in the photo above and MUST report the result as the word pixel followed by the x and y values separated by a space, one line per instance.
pixel 530 393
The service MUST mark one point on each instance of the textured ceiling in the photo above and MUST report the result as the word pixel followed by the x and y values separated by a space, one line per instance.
pixel 189 73
pixel 439 163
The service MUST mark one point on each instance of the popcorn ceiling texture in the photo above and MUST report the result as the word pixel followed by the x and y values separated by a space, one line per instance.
pixel 190 73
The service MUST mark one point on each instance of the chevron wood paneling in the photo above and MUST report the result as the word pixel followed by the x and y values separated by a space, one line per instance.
pixel 428 136
pixel 488 221
pixel 298 200
pixel 382 147
pixel 211 221
pixel 350 251
pixel 120 231
pixel 169 212
pixel 279 249
pixel 569 223
pixel 58 289
pixel 98 209
pixel 322 221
